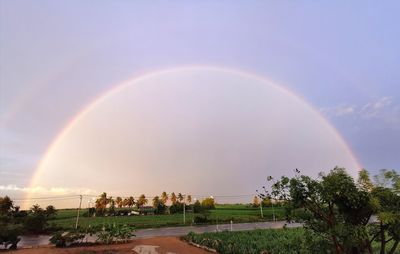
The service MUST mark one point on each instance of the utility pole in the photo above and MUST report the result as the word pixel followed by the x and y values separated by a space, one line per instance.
pixel 79 209
pixel 262 214
pixel 184 210
pixel 273 212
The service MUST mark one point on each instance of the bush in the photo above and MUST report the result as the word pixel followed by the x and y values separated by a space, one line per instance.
pixel 114 233
pixel 201 219
pixel 197 208
pixel 176 208
pixel 35 223
pixel 66 239
pixel 9 236
pixel 208 203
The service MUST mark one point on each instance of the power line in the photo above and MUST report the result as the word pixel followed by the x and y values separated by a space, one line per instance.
pixel 136 197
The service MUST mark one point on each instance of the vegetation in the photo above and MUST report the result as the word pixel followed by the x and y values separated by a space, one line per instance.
pixel 340 209
pixel 65 218
pixel 66 239
pixel 114 233
pixel 14 222
pixel 271 241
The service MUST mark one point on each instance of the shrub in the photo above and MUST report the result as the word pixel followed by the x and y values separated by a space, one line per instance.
pixel 208 203
pixel 9 236
pixel 176 208
pixel 201 219
pixel 114 233
pixel 67 238
pixel 35 223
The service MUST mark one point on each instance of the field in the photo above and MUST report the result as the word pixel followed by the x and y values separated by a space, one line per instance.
pixel 272 241
pixel 221 214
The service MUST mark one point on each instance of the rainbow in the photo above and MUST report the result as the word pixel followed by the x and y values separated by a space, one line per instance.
pixel 121 86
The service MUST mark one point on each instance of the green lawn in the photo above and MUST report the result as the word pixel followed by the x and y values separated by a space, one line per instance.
pixel 222 214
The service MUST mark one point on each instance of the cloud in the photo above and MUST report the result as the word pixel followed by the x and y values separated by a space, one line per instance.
pixel 384 110
pixel 46 191
pixel 340 110
pixel 376 108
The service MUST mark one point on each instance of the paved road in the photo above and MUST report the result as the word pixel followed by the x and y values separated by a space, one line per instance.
pixel 179 231
pixel 29 241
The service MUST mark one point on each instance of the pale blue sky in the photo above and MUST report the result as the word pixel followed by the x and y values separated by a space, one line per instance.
pixel 343 57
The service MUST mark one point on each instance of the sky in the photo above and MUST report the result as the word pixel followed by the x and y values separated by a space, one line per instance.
pixel 341 58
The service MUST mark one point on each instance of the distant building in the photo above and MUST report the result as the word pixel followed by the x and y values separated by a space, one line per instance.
pixel 147 210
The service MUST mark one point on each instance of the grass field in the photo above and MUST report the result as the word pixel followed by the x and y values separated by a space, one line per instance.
pixel 222 214
pixel 272 241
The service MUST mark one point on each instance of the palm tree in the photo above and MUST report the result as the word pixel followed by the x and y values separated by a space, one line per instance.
pixel 119 202
pixel 130 202
pixel 102 202
pixel 112 206
pixel 141 201
pixel 189 199
pixel 164 197
pixel 173 198
pixel 180 197
pixel 156 202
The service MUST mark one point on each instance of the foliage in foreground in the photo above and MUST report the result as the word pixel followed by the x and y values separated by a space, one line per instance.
pixel 114 233
pixel 341 208
pixel 272 241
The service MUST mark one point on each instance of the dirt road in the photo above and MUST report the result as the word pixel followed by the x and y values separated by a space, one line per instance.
pixel 157 245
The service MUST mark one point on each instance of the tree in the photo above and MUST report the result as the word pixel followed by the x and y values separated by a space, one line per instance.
pixel 256 202
pixel 119 202
pixel 208 203
pixel 173 198
pixel 189 199
pixel 164 197
pixel 111 202
pixel 6 205
pixel 129 202
pixel 158 205
pixel 385 193
pixel 50 211
pixel 101 203
pixel 156 201
pixel 388 179
pixel 340 209
pixel 36 221
pixel 141 201
pixel 180 197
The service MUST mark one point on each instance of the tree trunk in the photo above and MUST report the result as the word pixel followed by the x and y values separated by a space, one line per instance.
pixel 368 246
pixel 338 248
pixel 383 240
pixel 393 249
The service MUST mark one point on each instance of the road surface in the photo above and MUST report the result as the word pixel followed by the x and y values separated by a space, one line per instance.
pixel 38 240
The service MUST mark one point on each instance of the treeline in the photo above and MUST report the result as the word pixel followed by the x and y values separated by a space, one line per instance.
pixel 107 205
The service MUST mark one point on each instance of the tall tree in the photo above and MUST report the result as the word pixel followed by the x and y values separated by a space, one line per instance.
pixel 130 202
pixel 119 202
pixel 141 201
pixel 164 197
pixel 101 203
pixel 385 192
pixel 340 209
pixel 189 199
pixel 111 201
pixel 173 198
pixel 6 205
pixel 156 201
pixel 180 197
